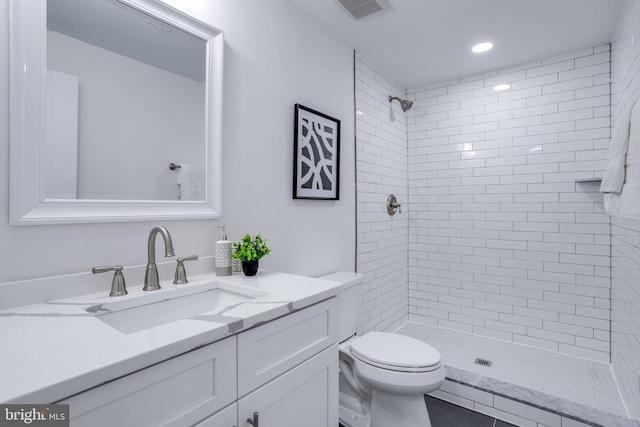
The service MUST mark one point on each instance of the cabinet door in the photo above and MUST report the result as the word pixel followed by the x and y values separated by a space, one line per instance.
pixel 228 417
pixel 175 393
pixel 304 396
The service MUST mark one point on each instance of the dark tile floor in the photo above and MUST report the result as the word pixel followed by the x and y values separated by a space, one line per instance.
pixel 445 414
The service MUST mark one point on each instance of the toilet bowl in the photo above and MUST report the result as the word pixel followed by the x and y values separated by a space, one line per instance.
pixel 383 376
pixel 387 376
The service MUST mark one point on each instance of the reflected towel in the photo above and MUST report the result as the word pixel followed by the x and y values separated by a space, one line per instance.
pixel 191 182
pixel 614 176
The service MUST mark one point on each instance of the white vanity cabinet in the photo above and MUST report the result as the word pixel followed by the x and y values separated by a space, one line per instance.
pixel 285 371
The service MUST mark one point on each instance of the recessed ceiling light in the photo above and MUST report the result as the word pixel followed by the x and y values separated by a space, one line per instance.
pixel 482 47
pixel 501 87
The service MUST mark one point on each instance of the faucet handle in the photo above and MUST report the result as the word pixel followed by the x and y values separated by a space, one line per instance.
pixel 118 286
pixel 180 277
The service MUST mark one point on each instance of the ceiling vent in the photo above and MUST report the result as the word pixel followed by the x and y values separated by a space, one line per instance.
pixel 358 9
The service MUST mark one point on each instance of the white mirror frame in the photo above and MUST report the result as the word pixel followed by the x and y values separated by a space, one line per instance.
pixel 28 204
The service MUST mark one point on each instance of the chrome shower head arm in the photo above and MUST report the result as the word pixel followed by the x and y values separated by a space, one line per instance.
pixel 404 104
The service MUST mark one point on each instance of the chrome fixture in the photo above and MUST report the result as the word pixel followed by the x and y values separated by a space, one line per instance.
pixel 180 277
pixel 151 282
pixel 174 166
pixel 393 205
pixel 253 421
pixel 118 287
pixel 404 104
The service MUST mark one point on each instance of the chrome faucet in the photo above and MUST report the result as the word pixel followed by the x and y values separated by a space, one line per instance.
pixel 151 282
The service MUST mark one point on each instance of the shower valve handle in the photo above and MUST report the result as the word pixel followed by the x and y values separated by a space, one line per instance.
pixel 393 205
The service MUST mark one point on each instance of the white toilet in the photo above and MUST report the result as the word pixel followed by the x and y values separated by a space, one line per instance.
pixel 383 376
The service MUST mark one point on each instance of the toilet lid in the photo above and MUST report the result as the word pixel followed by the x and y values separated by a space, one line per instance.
pixel 395 352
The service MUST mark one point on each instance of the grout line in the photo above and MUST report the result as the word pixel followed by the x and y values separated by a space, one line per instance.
pixel 620 393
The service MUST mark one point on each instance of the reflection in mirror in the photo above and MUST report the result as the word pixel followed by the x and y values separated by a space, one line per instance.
pixel 104 96
pixel 125 97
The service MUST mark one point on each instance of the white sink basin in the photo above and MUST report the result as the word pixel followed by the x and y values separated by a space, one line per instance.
pixel 155 308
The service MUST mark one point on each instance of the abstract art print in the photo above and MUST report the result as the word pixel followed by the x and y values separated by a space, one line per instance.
pixel 316 155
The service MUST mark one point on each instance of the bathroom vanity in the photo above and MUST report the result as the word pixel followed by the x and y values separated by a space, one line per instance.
pixel 265 355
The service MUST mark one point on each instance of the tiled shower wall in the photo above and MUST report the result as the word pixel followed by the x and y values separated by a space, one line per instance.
pixel 502 241
pixel 381 155
pixel 625 244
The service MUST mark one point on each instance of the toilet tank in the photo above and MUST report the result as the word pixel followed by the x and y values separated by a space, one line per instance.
pixel 348 302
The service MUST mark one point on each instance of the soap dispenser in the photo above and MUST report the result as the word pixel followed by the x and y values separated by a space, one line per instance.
pixel 223 255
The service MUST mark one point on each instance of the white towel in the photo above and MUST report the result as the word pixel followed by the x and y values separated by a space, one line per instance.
pixel 613 178
pixel 621 182
pixel 191 182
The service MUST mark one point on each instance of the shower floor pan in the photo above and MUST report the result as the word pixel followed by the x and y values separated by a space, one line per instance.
pixel 572 387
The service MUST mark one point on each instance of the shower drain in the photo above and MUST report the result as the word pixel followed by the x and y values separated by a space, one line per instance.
pixel 483 362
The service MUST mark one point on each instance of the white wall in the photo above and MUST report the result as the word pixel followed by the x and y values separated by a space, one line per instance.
pixel 134 120
pixel 503 242
pixel 381 150
pixel 625 234
pixel 274 57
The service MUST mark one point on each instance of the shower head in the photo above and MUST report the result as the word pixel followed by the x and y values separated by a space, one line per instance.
pixel 404 104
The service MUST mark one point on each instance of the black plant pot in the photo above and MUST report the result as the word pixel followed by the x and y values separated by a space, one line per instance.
pixel 250 268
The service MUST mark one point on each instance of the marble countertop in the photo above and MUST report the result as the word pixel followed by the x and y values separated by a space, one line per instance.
pixel 53 350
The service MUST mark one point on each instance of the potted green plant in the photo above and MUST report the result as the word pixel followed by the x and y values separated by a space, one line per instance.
pixel 249 250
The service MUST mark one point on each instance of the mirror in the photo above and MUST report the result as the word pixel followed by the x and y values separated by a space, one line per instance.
pixel 106 95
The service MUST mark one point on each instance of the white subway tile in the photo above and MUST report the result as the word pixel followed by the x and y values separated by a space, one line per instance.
pixel 551 128
pixel 600 90
pixel 483 100
pixel 600 58
pixel 567 56
pixel 505 78
pixel 552 98
pixel 569 85
pixel 505 105
pixel 596 101
pixel 584 353
pixel 535 111
pixel 553 68
pixel 568 116
pixel 526 411
pixel 520 94
pixel 592 70
pixel 536 342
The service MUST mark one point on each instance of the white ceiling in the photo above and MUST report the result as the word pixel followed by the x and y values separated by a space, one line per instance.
pixel 417 42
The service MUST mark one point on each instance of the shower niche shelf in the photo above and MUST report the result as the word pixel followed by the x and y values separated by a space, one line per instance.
pixel 593 180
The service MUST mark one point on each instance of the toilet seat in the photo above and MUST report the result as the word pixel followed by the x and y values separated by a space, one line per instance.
pixel 395 352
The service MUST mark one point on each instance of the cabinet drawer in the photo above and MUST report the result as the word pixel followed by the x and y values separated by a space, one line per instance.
pixel 275 347
pixel 178 392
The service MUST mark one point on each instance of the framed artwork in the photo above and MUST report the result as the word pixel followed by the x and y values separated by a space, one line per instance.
pixel 316 155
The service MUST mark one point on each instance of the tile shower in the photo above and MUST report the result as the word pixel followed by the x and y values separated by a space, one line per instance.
pixel 503 241
pixel 500 239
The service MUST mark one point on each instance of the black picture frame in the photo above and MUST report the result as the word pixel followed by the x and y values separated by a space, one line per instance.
pixel 316 155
